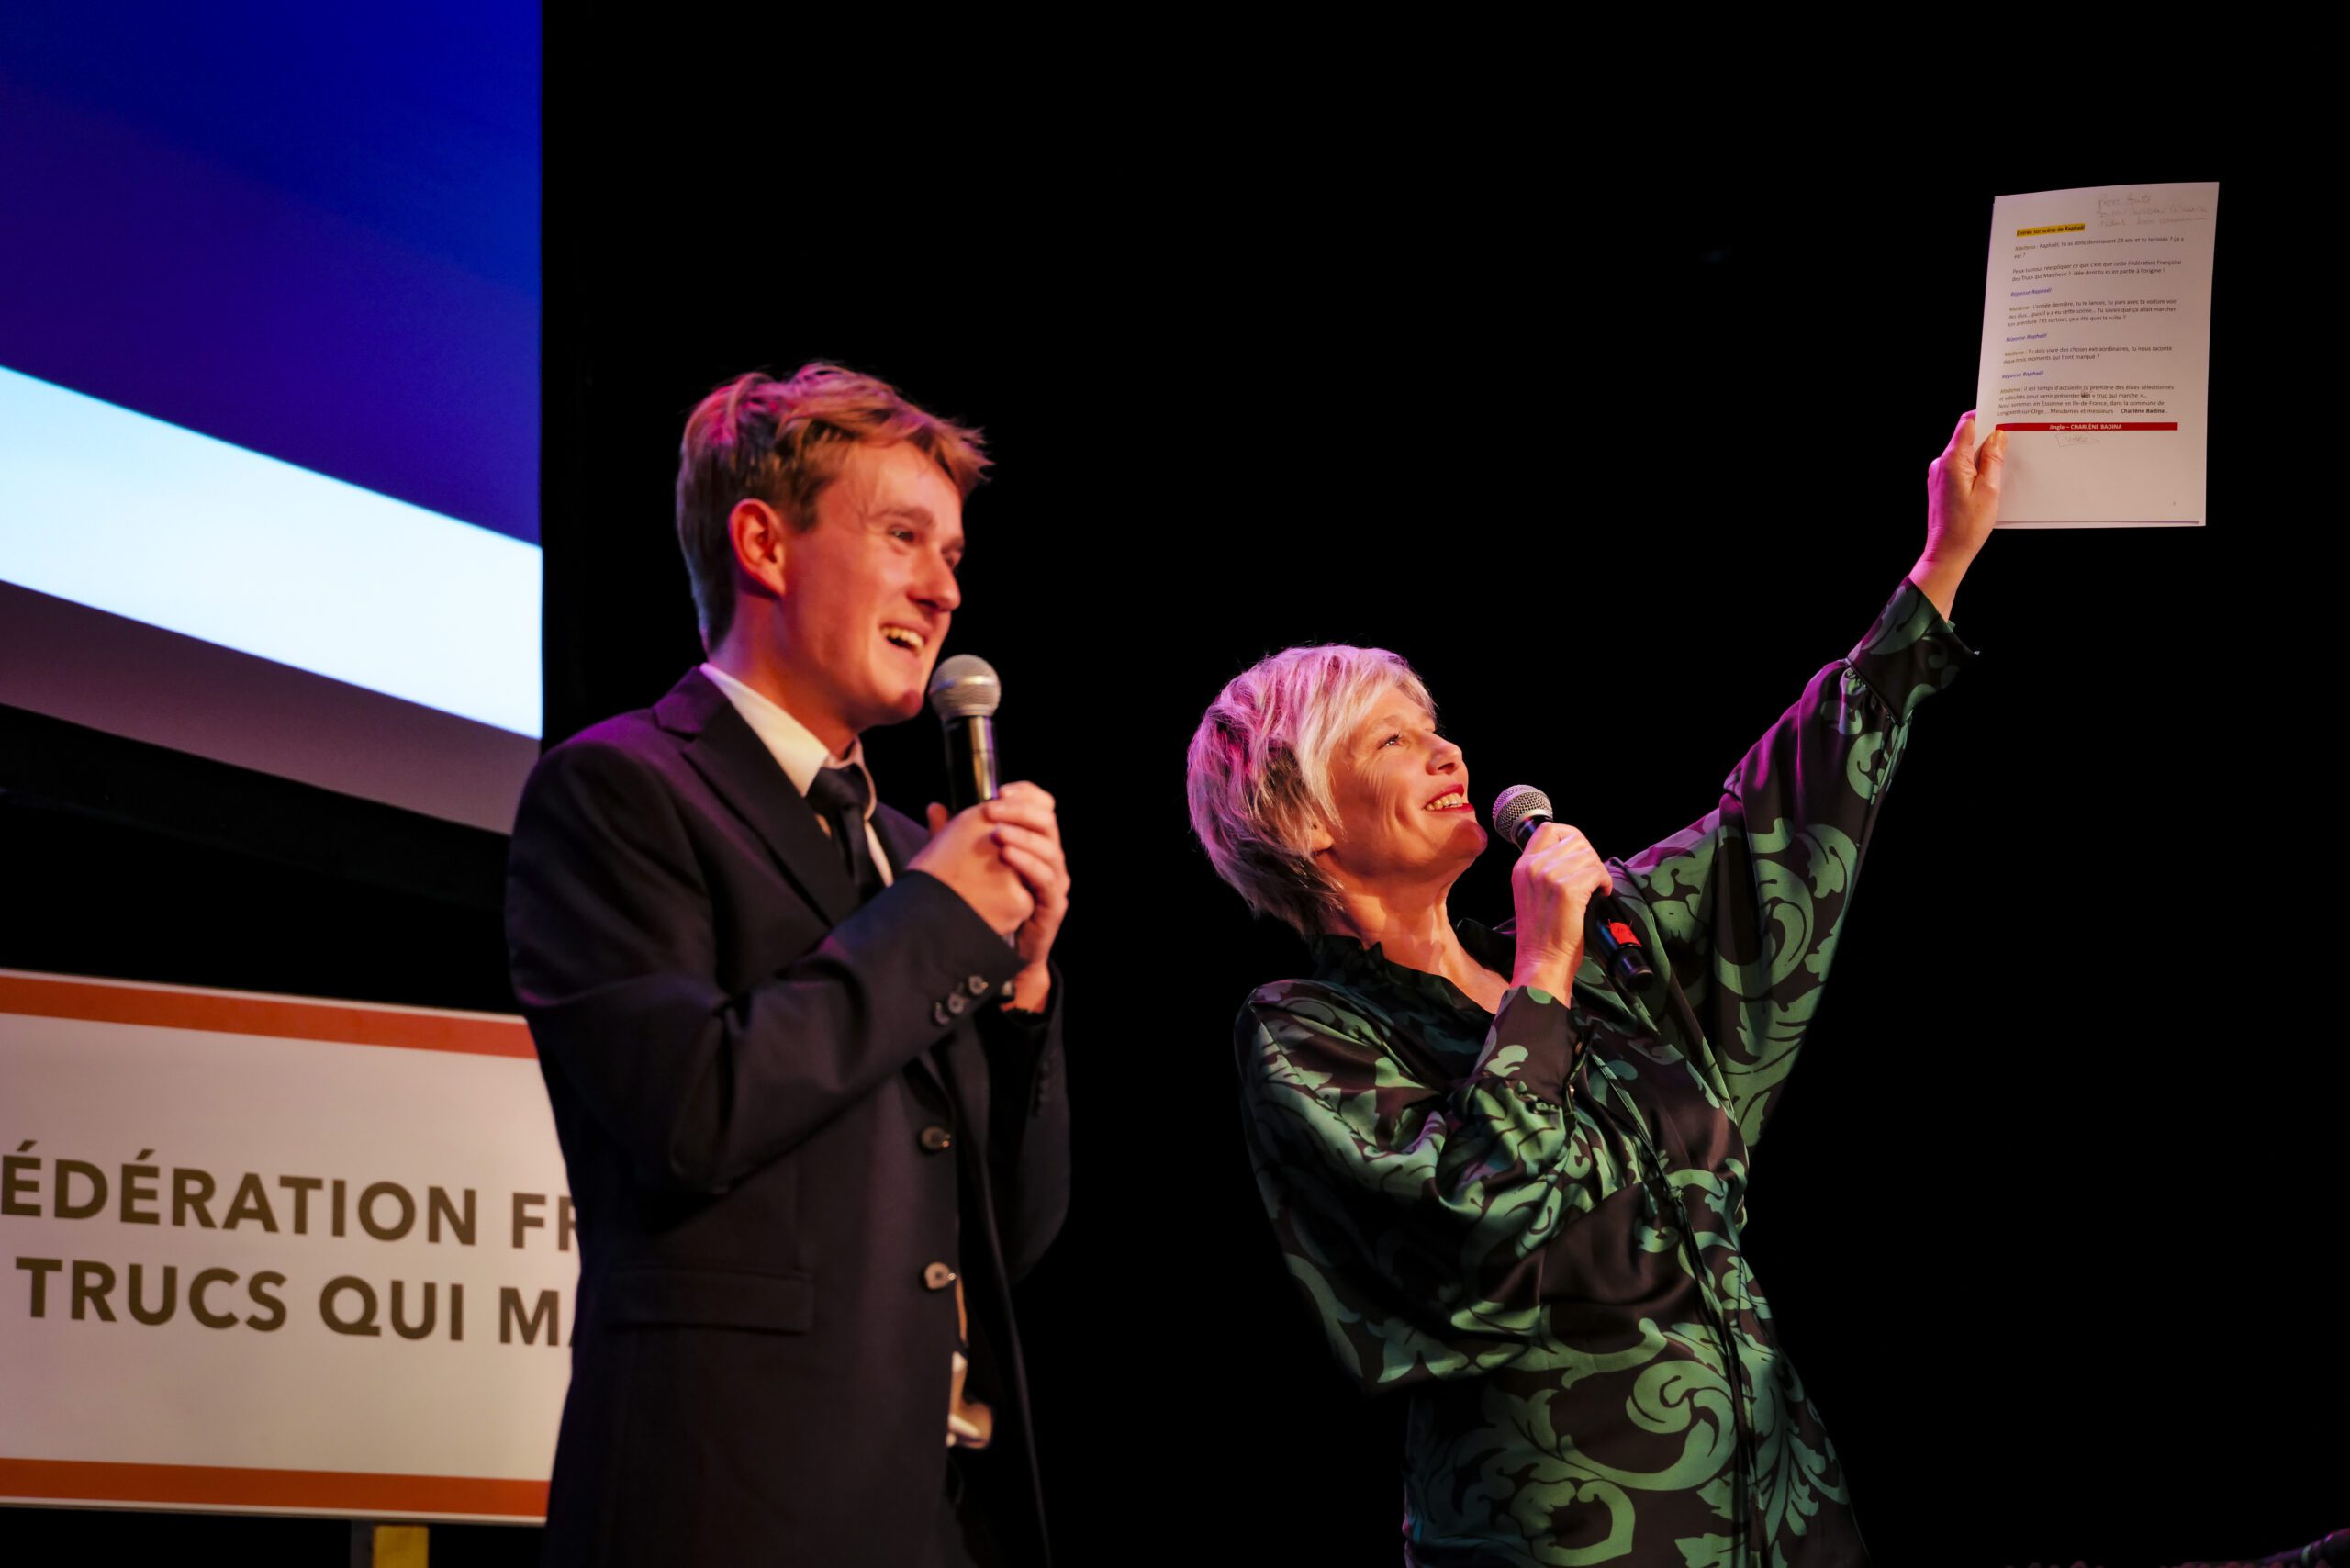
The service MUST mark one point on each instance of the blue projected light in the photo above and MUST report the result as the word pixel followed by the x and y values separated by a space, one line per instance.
pixel 269 388
pixel 139 518
pixel 309 231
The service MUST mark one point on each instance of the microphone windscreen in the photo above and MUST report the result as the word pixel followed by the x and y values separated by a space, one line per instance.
pixel 965 687
pixel 1518 806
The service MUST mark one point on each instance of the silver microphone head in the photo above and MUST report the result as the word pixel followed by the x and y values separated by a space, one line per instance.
pixel 1518 807
pixel 965 687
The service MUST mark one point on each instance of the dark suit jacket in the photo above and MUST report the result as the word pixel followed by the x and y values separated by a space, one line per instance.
pixel 780 1111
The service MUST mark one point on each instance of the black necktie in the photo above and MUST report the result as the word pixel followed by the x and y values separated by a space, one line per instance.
pixel 840 794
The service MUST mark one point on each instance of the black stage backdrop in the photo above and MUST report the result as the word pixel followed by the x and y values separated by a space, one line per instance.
pixel 1617 456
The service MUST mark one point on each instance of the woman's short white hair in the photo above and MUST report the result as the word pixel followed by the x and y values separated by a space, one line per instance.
pixel 1259 774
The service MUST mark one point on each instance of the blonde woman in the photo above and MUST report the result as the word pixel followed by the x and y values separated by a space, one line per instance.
pixel 1513 1193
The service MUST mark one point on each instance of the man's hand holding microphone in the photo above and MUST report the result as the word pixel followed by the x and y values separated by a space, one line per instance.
pixel 1000 849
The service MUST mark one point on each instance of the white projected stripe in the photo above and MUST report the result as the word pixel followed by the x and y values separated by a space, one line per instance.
pixel 135 516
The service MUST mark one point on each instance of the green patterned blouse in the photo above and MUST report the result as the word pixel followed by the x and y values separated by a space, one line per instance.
pixel 1527 1222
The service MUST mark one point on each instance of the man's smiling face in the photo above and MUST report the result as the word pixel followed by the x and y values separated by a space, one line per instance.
pixel 869 589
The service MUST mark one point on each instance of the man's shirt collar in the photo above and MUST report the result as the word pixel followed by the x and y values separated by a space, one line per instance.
pixel 796 748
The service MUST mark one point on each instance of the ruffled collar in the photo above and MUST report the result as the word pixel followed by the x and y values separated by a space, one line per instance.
pixel 1342 960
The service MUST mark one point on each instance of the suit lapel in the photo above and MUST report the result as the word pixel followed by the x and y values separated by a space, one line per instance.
pixel 729 754
pixel 741 772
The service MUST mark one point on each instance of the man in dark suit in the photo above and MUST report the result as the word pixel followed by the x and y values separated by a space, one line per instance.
pixel 803 1054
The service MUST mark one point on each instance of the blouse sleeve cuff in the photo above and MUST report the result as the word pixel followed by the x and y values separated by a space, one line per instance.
pixel 1536 1042
pixel 1912 652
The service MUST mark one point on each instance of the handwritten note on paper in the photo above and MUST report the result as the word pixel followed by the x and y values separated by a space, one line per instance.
pixel 2097 337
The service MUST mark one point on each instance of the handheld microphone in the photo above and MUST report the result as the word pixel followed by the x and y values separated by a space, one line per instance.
pixel 1608 927
pixel 964 692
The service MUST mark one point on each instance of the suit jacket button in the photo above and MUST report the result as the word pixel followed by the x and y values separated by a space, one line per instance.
pixel 938 1276
pixel 954 1002
pixel 939 1015
pixel 977 985
pixel 937 1138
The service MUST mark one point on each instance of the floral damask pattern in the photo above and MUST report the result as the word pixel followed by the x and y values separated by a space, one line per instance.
pixel 1527 1224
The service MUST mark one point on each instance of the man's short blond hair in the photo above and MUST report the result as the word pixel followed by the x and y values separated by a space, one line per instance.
pixel 782 442
pixel 1259 775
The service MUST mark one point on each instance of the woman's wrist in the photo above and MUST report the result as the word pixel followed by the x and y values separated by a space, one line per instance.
pixel 1545 972
pixel 1938 576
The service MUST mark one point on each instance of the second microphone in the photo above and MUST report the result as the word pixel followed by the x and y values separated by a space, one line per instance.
pixel 1613 939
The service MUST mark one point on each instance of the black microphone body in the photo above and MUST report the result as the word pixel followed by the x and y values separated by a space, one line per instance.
pixel 964 692
pixel 1608 931
pixel 970 761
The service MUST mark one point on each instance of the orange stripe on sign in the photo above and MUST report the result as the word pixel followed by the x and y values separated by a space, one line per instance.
pixel 335 1491
pixel 281 1017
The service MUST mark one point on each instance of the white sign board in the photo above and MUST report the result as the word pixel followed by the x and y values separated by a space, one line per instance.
pixel 272 1255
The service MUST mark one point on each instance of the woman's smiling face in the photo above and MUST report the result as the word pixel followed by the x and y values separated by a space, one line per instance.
pixel 1402 793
